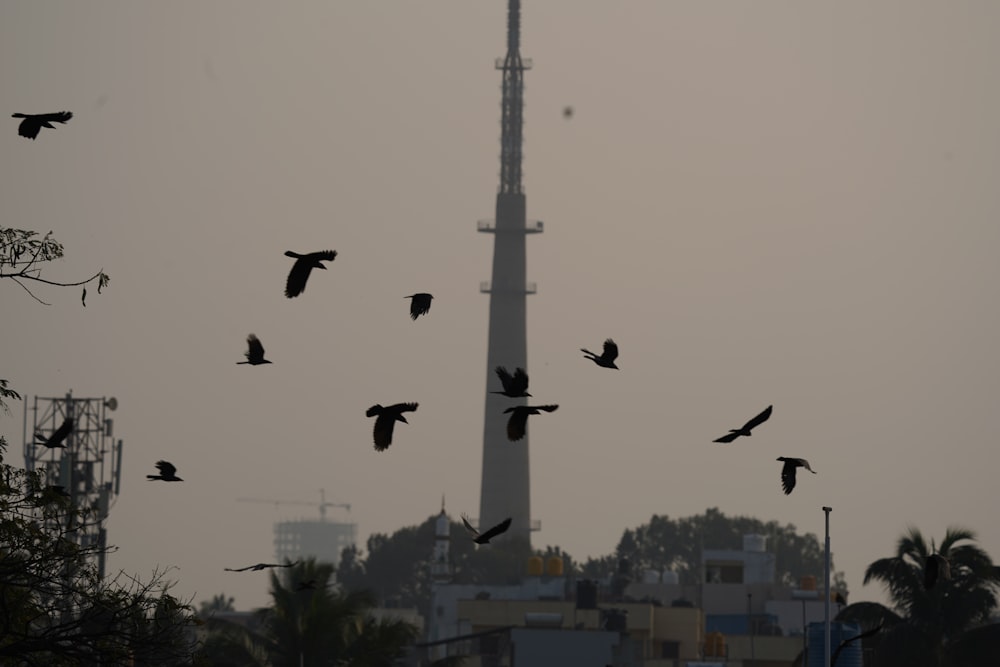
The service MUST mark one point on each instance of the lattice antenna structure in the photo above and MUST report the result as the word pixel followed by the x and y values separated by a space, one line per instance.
pixel 86 463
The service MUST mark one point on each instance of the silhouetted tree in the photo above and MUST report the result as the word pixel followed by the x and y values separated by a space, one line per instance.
pixel 677 544
pixel 312 627
pixel 55 609
pixel 941 626
pixel 218 602
pixel 24 254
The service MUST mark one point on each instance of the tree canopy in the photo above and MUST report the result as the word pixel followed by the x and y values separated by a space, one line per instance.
pixel 308 624
pixel 54 607
pixel 943 625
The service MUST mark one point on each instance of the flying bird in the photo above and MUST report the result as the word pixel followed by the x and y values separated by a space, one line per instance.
pixel 607 359
pixel 746 428
pixel 260 566
pixel 788 472
pixel 33 123
pixel 387 418
pixel 420 304
pixel 254 353
pixel 304 264
pixel 936 568
pixel 484 538
pixel 514 386
pixel 58 436
pixel 168 473
pixel 567 112
pixel 518 422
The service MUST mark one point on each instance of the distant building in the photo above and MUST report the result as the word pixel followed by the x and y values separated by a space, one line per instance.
pixel 311 538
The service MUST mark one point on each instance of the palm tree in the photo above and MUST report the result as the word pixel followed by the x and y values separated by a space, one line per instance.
pixel 927 626
pixel 313 626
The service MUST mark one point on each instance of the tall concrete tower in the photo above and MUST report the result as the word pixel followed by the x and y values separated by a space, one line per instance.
pixel 505 480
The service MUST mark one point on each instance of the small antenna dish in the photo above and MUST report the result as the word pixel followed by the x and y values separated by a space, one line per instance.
pixel 111 404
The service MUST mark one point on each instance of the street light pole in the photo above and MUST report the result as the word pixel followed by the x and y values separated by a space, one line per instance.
pixel 826 602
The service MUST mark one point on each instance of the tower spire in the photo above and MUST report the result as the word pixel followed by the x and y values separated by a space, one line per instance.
pixel 505 490
pixel 512 104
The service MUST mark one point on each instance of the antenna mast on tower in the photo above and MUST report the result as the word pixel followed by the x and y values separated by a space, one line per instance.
pixel 505 490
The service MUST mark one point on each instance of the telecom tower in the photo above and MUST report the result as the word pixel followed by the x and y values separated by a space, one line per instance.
pixel 87 466
pixel 505 481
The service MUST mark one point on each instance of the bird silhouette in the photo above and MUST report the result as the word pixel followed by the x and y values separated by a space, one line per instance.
pixel 484 538
pixel 607 359
pixel 518 422
pixel 936 568
pixel 746 428
pixel 514 386
pixel 304 264
pixel 254 353
pixel 167 472
pixel 386 419
pixel 420 304
pixel 260 566
pixel 788 472
pixel 58 436
pixel 33 123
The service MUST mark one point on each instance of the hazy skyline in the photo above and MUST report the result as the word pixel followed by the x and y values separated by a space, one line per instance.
pixel 761 204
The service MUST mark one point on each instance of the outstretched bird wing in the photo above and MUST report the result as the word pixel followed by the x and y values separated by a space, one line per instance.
pixel 729 437
pixel 517 424
pixel 60 434
pixel 297 277
pixel 505 379
pixel 494 531
pixel 518 383
pixel 33 123
pixel 788 476
pixel 239 569
pixel 420 304
pixel 468 527
pixel 166 469
pixel 759 419
pixel 382 433
pixel 610 350
pixel 255 350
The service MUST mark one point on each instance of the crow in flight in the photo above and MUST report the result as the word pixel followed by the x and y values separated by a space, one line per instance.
pixel 420 304
pixel 387 418
pixel 518 422
pixel 788 472
pixel 607 359
pixel 515 385
pixel 299 274
pixel 58 436
pixel 936 567
pixel 33 123
pixel 167 472
pixel 484 538
pixel 260 566
pixel 254 353
pixel 746 428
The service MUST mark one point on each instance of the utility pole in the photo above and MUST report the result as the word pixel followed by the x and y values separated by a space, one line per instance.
pixel 826 602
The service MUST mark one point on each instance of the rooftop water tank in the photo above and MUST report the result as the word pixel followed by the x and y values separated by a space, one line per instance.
pixel 670 577
pixel 807 582
pixel 554 566
pixel 754 542
pixel 850 655
pixel 651 576
pixel 535 566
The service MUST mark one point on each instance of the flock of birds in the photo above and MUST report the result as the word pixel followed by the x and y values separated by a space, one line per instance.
pixel 514 386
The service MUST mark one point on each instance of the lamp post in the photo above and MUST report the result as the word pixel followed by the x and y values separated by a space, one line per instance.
pixel 826 601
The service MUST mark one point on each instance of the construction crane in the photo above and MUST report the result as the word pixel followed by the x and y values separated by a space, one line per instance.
pixel 322 504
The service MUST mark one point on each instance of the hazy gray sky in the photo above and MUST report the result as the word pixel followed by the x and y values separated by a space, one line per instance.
pixel 761 203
